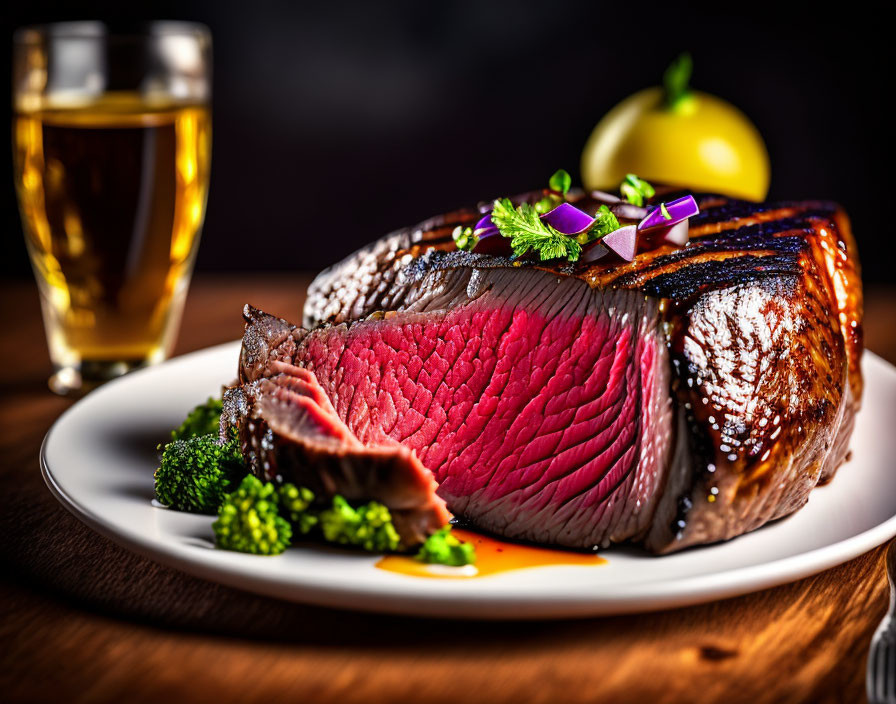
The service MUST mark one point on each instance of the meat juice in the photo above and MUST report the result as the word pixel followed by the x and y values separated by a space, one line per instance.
pixel 492 556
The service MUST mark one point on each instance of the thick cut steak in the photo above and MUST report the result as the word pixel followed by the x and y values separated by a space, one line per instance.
pixel 734 374
pixel 686 397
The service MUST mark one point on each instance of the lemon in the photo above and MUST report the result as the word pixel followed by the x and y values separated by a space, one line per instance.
pixel 696 141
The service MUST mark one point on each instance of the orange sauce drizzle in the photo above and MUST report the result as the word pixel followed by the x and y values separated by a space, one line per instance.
pixel 492 555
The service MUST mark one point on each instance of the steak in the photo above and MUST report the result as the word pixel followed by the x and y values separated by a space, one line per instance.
pixel 685 397
pixel 289 431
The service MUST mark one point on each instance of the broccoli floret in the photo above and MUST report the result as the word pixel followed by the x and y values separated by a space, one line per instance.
pixel 249 521
pixel 295 505
pixel 202 420
pixel 444 548
pixel 368 526
pixel 195 474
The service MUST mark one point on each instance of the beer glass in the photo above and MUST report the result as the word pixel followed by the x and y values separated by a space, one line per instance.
pixel 111 148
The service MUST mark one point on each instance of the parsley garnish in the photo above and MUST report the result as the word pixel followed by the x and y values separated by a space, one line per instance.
pixel 527 232
pixel 635 190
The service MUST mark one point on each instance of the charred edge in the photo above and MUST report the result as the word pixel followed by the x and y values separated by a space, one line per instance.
pixel 737 209
pixel 695 278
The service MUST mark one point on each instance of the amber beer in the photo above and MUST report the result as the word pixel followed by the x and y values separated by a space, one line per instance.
pixel 112 196
pixel 111 149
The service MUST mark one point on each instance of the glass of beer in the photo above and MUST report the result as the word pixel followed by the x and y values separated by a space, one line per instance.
pixel 112 145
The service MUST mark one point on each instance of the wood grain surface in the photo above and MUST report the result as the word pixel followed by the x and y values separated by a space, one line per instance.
pixel 84 620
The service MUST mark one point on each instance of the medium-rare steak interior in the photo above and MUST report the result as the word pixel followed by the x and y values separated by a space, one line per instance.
pixel 685 397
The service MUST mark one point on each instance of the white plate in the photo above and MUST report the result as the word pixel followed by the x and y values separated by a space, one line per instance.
pixel 99 458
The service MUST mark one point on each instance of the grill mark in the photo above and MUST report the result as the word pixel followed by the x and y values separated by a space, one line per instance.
pixel 700 276
pixel 671 264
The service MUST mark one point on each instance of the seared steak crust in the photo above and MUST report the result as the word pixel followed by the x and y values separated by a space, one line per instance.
pixel 761 317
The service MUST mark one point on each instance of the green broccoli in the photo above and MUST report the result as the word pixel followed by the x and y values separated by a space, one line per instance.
pixel 295 505
pixel 368 526
pixel 195 474
pixel 444 548
pixel 202 420
pixel 249 521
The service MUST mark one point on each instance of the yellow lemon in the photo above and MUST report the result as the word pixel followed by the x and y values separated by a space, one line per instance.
pixel 697 141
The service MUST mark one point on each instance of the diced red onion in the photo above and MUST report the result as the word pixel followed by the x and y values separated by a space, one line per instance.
pixel 485 221
pixel 487 231
pixel 568 219
pixel 491 242
pixel 623 241
pixel 677 234
pixel 604 197
pixel 628 211
pixel 679 210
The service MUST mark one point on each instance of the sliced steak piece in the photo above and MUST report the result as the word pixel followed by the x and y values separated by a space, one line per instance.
pixel 289 431
pixel 744 346
pixel 540 405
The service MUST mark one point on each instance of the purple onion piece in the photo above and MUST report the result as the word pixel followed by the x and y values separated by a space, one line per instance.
pixel 568 219
pixel 628 211
pixel 485 221
pixel 491 242
pixel 604 197
pixel 623 242
pixel 487 231
pixel 679 210
pixel 677 234
pixel 592 252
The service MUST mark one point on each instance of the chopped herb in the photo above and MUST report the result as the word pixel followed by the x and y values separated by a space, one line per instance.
pixel 560 182
pixel 665 211
pixel 527 232
pixel 604 223
pixel 464 238
pixel 548 203
pixel 559 185
pixel 636 190
pixel 676 78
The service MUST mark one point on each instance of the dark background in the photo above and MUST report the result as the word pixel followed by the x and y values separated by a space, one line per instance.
pixel 337 122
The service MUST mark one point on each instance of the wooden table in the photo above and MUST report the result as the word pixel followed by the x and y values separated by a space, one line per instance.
pixel 84 620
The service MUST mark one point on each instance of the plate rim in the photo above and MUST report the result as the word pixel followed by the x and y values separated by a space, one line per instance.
pixel 482 605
